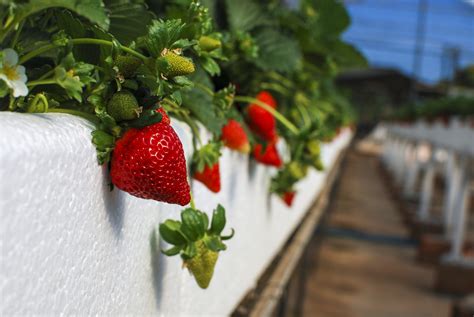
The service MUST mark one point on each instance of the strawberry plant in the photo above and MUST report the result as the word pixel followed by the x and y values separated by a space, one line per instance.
pixel 252 73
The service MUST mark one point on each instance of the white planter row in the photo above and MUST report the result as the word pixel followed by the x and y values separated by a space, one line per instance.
pixel 455 135
pixel 70 246
pixel 429 149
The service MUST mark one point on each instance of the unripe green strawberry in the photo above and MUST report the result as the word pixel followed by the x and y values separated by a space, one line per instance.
pixel 178 65
pixel 318 164
pixel 208 44
pixel 297 170
pixel 202 265
pixel 127 65
pixel 123 106
pixel 314 147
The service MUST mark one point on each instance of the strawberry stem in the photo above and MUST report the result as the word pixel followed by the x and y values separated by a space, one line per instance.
pixel 193 205
pixel 290 126
pixel 204 88
pixel 48 47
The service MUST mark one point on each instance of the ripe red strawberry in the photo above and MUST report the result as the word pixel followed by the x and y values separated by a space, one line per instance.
pixel 269 157
pixel 267 98
pixel 261 121
pixel 210 176
pixel 288 197
pixel 149 163
pixel 164 116
pixel 234 137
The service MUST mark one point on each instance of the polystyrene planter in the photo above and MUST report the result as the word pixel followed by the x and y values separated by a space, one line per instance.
pixel 71 246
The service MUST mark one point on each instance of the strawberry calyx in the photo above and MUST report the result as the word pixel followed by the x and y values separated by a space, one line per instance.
pixel 206 156
pixel 197 240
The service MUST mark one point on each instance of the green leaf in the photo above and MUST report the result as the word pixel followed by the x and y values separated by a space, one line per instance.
pixel 277 51
pixel 170 232
pixel 201 104
pixel 347 55
pixel 128 21
pixel 210 65
pixel 332 17
pixel 162 34
pixel 92 10
pixel 245 15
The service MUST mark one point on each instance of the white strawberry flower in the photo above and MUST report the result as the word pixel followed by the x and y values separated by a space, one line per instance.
pixel 12 73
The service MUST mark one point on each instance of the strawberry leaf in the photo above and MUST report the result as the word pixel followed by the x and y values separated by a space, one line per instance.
pixel 161 35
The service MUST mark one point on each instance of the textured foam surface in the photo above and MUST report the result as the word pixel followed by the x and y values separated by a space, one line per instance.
pixel 70 246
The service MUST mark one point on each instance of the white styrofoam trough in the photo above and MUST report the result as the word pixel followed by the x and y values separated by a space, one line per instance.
pixel 427 149
pixel 70 246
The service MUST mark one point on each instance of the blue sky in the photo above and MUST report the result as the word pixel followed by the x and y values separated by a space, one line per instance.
pixel 385 31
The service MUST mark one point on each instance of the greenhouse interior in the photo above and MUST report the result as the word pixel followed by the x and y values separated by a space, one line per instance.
pixel 277 158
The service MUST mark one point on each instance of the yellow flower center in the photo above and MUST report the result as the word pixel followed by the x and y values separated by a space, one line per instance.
pixel 10 72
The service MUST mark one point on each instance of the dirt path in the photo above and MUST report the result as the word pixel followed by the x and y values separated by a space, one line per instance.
pixel 365 266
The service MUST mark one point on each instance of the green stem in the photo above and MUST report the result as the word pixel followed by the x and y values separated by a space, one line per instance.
pixel 88 116
pixel 33 107
pixel 259 103
pixel 79 41
pixel 41 82
pixel 290 126
pixel 275 87
pixel 11 104
pixel 304 114
pixel 193 205
pixel 285 81
pixel 204 88
pixel 47 74
pixel 17 34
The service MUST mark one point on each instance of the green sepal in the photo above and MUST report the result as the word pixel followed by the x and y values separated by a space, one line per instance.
pixel 173 251
pixel 214 243
pixel 206 156
pixel 218 220
pixel 130 84
pixel 230 236
pixel 192 224
pixel 170 232
pixel 205 220
pixel 102 139
pixel 190 251
pixel 147 118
